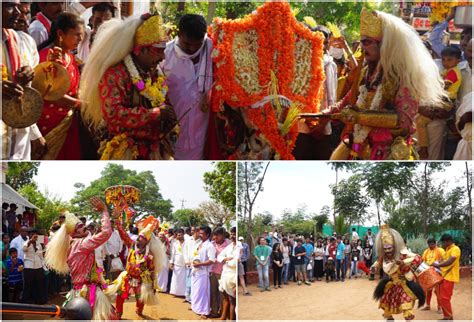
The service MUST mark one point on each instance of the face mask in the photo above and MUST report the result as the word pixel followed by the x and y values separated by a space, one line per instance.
pixel 336 53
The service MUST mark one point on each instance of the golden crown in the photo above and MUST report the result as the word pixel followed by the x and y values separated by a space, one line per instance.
pixel 147 231
pixel 152 32
pixel 370 24
pixel 387 238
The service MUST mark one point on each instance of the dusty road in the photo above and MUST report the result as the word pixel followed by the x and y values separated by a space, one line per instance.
pixel 350 300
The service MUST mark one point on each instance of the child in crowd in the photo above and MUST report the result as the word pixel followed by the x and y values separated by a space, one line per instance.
pixel 14 267
pixel 330 269
pixel 450 58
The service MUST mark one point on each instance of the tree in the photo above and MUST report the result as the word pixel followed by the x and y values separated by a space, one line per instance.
pixel 215 214
pixel 151 201
pixel 49 207
pixel 250 178
pixel 20 174
pixel 187 218
pixel 349 200
pixel 381 178
pixel 341 226
pixel 338 166
pixel 469 192
pixel 267 218
pixel 220 183
pixel 322 218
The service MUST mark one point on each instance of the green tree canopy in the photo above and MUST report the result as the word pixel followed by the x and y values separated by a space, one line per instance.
pixel 350 201
pixel 187 218
pixel 151 201
pixel 220 183
pixel 20 174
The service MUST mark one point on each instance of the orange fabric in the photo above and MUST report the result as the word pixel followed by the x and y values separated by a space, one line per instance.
pixel 446 292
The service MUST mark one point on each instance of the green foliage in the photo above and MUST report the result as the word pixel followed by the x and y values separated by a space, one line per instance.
pixel 345 14
pixel 187 218
pixel 267 218
pixel 220 183
pixel 49 206
pixel 151 200
pixel 20 174
pixel 417 244
pixel 349 200
pixel 341 226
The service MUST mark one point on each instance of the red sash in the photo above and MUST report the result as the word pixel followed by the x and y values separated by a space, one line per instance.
pixel 13 51
pixel 45 21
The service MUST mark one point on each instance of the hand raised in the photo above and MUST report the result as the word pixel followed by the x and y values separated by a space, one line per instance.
pixel 97 204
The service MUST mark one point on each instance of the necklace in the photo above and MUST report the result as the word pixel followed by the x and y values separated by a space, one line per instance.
pixel 156 91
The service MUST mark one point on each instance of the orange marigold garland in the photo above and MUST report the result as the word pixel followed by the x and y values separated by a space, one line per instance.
pixel 277 33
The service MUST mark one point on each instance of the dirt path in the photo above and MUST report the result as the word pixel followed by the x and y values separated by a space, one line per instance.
pixel 168 308
pixel 336 301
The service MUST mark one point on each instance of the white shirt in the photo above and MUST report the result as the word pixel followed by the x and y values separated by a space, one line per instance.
pixel 330 87
pixel 177 254
pixel 99 253
pixel 355 235
pixel 114 245
pixel 18 243
pixel 83 49
pixel 190 246
pixel 33 259
pixel 39 32
pixel 18 141
pixel 186 99
pixel 206 251
pixel 232 250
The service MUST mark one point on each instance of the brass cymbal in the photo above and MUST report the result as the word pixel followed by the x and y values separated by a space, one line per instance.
pixel 51 80
pixel 23 112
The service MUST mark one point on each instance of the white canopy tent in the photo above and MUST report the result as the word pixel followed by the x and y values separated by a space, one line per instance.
pixel 9 195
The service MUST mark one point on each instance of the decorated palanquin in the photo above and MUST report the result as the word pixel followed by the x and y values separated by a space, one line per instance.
pixel 268 68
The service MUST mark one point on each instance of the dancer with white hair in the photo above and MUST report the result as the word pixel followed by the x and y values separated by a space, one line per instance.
pixel 124 89
pixel 72 250
pixel 398 291
pixel 145 259
pixel 399 77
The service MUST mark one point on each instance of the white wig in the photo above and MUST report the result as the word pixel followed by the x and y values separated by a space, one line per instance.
pixel 406 61
pixel 113 42
pixel 398 243
pixel 57 251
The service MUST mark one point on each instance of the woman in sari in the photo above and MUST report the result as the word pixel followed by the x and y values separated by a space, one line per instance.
pixel 59 121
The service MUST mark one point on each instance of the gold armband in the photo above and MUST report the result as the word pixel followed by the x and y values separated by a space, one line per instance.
pixel 388 120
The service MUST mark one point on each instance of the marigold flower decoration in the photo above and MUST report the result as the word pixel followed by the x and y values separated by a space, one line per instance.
pixel 248 50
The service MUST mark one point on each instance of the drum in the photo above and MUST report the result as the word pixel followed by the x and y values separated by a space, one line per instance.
pixel 427 276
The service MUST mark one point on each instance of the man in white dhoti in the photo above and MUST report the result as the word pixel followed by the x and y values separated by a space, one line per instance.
pixel 188 69
pixel 163 274
pixel 190 246
pixel 204 258
pixel 178 265
pixel 464 110
pixel 228 281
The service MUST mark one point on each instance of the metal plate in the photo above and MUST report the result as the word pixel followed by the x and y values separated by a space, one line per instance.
pixel 51 81
pixel 23 112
